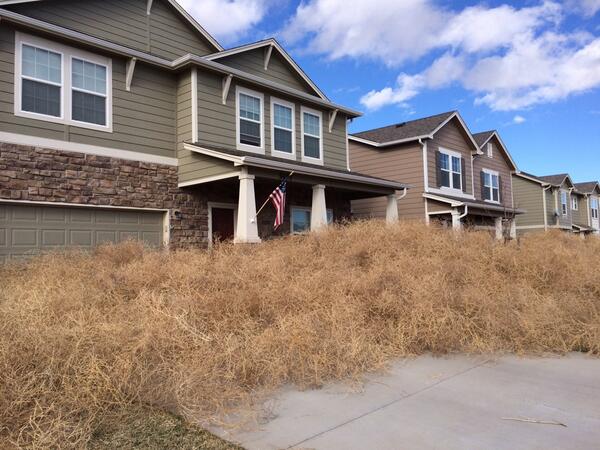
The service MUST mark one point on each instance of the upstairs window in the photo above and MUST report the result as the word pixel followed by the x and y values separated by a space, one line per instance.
pixel 574 203
pixel 564 206
pixel 282 131
pixel 491 186
pixel 312 142
pixel 490 150
pixel 61 84
pixel 594 207
pixel 250 120
pixel 450 170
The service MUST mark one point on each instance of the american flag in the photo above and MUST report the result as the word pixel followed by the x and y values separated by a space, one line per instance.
pixel 278 200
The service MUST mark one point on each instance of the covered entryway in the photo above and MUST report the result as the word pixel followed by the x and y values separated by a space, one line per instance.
pixel 27 229
pixel 222 218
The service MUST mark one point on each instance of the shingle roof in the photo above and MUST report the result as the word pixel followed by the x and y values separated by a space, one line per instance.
pixel 586 187
pixel 554 179
pixel 482 137
pixel 405 130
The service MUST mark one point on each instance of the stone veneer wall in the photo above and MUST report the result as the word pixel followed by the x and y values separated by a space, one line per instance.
pixel 37 174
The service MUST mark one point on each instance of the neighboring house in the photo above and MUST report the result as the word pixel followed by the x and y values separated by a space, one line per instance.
pixel 126 119
pixel 585 211
pixel 546 199
pixel 456 178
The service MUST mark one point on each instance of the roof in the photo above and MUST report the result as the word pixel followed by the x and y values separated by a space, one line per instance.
pixel 587 187
pixel 531 177
pixel 252 159
pixel 412 130
pixel 557 179
pixel 176 6
pixel 483 138
pixel 480 204
pixel 271 42
pixel 406 130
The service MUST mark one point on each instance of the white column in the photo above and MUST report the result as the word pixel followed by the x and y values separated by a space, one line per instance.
pixel 456 222
pixel 391 211
pixel 318 213
pixel 513 228
pixel 499 231
pixel 247 229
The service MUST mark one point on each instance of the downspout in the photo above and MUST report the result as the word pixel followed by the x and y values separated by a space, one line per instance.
pixel 544 189
pixel 404 192
pixel 425 177
pixel 465 213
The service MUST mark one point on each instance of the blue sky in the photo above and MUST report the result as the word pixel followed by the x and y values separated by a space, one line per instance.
pixel 528 69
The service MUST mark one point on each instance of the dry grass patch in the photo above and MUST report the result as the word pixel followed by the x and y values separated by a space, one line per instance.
pixel 199 332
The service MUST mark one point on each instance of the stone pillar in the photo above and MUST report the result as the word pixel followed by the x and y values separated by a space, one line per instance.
pixel 391 211
pixel 318 213
pixel 456 222
pixel 499 230
pixel 513 228
pixel 247 228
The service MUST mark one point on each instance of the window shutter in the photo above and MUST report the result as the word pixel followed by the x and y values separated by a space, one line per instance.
pixel 438 168
pixel 499 188
pixel 482 176
pixel 463 173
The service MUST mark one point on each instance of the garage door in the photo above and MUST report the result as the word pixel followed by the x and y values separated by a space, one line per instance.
pixel 28 229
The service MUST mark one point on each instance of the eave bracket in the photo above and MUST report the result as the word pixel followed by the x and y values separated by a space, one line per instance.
pixel 332 116
pixel 129 73
pixel 268 52
pixel 226 86
pixel 149 7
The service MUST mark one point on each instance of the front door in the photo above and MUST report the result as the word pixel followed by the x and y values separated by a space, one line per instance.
pixel 222 224
pixel 594 213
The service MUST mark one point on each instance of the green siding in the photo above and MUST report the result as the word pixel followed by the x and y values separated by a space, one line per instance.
pixel 528 196
pixel 143 118
pixel 279 70
pixel 580 216
pixel 124 22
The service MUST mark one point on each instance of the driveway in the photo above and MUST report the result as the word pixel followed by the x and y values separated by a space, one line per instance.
pixel 443 403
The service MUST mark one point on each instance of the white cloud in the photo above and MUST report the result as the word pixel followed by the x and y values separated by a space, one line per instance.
pixel 519 119
pixel 586 7
pixel 227 20
pixel 509 58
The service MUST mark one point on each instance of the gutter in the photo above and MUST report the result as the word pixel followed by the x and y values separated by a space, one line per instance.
pixel 544 189
pixel 387 144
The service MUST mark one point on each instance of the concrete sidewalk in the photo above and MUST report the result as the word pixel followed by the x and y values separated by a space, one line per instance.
pixel 443 403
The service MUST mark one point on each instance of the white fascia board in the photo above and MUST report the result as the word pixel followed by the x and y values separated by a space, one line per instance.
pixel 389 143
pixel 464 125
pixel 543 183
pixel 453 203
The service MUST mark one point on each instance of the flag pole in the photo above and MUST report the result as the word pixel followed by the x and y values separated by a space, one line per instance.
pixel 267 201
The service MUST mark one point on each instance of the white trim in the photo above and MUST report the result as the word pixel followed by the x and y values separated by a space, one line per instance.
pixel 347 146
pixel 130 68
pixel 566 211
pixel 33 141
pixel 149 7
pixel 492 173
pixel 425 164
pixel 453 154
pixel 452 192
pixel 220 205
pixel 464 125
pixel 453 203
pixel 194 93
pixel 489 150
pixel 433 213
pixel 274 151
pixel 272 43
pixel 506 152
pixel 318 114
pixel 225 86
pixel 210 179
pixel 246 147
pixel 268 52
pixel 332 116
pixel 574 203
pixel 387 144
pixel 67 54
pixel 522 175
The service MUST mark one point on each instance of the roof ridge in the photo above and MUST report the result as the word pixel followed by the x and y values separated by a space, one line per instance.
pixel 405 122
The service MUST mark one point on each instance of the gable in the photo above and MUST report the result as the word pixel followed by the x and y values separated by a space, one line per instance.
pixel 278 69
pixel 163 33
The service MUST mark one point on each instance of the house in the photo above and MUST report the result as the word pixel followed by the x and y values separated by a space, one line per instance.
pixel 456 177
pixel 128 120
pixel 547 201
pixel 584 204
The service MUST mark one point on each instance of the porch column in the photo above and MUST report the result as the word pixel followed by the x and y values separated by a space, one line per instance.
pixel 391 211
pixel 456 222
pixel 318 213
pixel 499 231
pixel 247 228
pixel 513 229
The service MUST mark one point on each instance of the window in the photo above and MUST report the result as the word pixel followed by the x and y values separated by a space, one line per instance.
pixel 282 129
pixel 563 203
pixel 574 203
pixel 450 169
pixel 250 132
pixel 61 84
pixel 491 186
pixel 300 219
pixel 490 150
pixel 312 144
pixel 594 208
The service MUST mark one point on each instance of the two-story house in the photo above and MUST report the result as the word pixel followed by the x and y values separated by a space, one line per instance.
pixel 547 201
pixel 126 119
pixel 584 204
pixel 456 177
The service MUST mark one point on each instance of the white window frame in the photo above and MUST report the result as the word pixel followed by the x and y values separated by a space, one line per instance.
pixel 309 210
pixel 574 203
pixel 592 209
pixel 66 107
pixel 492 173
pixel 565 211
pixel 292 106
pixel 458 155
pixel 319 114
pixel 245 147
pixel 490 150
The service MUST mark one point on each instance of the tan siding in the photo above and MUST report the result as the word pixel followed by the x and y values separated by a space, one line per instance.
pixel 124 22
pixel 551 206
pixel 565 221
pixel 433 206
pixel 143 118
pixel 402 163
pixel 497 163
pixel 450 137
pixel 528 196
pixel 580 215
pixel 217 122
pixel 279 71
